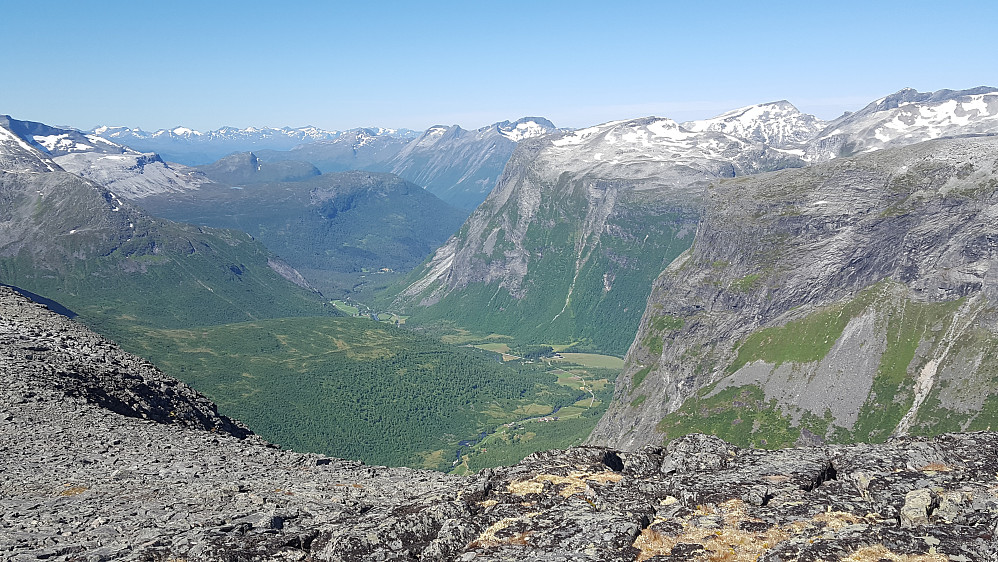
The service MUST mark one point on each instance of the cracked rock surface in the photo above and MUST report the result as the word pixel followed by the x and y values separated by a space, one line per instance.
pixel 105 458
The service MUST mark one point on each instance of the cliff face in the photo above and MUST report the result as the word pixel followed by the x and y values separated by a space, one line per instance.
pixel 105 458
pixel 851 300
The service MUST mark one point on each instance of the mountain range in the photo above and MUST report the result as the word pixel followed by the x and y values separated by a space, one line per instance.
pixel 455 164
pixel 565 247
pixel 192 147
pixel 458 166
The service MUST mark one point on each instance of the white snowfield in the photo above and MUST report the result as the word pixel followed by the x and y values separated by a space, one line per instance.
pixel 778 124
pixel 524 130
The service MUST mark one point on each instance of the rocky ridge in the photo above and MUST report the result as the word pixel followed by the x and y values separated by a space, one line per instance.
pixel 82 482
pixel 847 301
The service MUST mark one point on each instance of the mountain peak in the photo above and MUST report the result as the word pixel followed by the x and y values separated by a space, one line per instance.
pixel 779 124
pixel 525 128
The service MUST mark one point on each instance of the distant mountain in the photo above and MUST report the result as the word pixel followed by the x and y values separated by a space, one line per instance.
pixel 70 240
pixel 128 173
pixel 907 117
pixel 192 147
pixel 461 167
pixel 245 168
pixel 566 246
pixel 778 124
pixel 341 230
pixel 356 149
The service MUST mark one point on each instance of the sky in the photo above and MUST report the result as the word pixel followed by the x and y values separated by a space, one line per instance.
pixel 338 65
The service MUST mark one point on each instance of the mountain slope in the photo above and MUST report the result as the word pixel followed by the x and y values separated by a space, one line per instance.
pixel 461 167
pixel 907 117
pixel 16 155
pixel 847 301
pixel 565 247
pixel 337 229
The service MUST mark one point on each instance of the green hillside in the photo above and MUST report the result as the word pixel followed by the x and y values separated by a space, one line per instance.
pixel 560 304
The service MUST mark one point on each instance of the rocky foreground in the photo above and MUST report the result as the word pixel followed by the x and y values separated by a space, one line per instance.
pixel 103 457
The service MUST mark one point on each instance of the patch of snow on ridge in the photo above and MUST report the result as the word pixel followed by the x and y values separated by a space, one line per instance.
pixel 527 130
pixel 60 142
pixel 978 103
pixel 667 128
pixel 583 135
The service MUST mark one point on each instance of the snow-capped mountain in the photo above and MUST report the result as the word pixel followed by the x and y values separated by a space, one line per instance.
pixel 190 146
pixel 778 124
pixel 460 166
pixel 128 173
pixel 907 117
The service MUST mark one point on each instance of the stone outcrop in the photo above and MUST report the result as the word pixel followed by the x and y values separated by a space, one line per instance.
pixel 105 458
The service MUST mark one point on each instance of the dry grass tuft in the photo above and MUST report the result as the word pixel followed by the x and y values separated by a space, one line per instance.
pixel 731 543
pixel 727 544
pixel 879 553
pixel 835 520
pixel 73 491
pixel 488 538
pixel 574 483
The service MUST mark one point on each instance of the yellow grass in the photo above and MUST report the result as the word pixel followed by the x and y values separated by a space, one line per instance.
pixel 574 483
pixel 879 552
pixel 594 360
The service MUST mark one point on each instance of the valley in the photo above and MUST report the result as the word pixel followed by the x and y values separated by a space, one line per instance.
pixel 354 388
pixel 624 284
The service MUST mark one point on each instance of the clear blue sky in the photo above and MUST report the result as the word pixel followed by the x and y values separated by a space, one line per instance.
pixel 340 65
